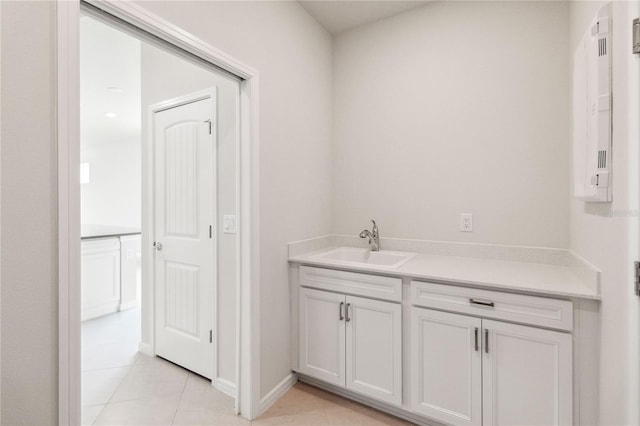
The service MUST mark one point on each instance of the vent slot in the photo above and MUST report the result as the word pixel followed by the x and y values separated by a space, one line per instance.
pixel 602 46
pixel 602 159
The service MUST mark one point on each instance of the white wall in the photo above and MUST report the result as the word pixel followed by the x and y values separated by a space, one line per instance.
pixel 607 234
pixel 113 195
pixel 166 76
pixel 293 55
pixel 455 107
pixel 29 322
pixel 111 146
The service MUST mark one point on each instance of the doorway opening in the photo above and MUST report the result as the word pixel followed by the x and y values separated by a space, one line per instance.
pixel 160 203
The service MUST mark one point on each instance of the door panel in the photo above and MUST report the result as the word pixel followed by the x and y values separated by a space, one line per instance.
pixel 374 348
pixel 446 365
pixel 526 376
pixel 322 335
pixel 185 267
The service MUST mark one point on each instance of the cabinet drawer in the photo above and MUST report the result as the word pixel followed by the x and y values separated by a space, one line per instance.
pixel 541 311
pixel 386 288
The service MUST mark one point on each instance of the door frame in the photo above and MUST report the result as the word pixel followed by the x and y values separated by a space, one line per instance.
pixel 149 224
pixel 67 80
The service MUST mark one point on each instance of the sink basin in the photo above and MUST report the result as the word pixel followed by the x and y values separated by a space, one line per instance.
pixel 359 256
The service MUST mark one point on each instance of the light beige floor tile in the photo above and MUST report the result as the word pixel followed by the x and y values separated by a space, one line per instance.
pixel 304 404
pixel 109 355
pixel 200 395
pixel 208 417
pixel 338 416
pixel 151 379
pixel 99 385
pixel 299 401
pixel 90 413
pixel 197 383
pixel 153 411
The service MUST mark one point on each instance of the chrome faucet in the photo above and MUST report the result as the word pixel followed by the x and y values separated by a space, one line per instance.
pixel 373 235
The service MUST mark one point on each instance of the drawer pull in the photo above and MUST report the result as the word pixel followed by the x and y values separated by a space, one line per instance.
pixel 476 332
pixel 482 302
pixel 341 311
pixel 347 313
pixel 486 341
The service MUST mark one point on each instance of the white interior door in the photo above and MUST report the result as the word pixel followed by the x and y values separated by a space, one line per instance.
pixel 185 260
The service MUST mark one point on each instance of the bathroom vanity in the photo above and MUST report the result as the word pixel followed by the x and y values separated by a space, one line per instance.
pixel 447 339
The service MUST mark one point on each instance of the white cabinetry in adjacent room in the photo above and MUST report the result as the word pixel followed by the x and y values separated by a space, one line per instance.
pixel 109 270
pixel 351 341
pixel 472 370
pixel 100 277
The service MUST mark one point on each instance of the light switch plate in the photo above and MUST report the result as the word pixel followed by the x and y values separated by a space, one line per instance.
pixel 229 224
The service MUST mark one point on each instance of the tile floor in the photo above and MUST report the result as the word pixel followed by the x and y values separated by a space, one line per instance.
pixel 122 387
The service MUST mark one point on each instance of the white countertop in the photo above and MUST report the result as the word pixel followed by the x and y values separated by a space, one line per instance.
pixel 541 279
pixel 89 231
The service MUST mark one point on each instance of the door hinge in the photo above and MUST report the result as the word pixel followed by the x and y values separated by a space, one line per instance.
pixel 208 121
pixel 636 267
pixel 636 36
pixel 210 336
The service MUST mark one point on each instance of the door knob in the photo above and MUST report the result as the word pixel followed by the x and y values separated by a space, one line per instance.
pixel 157 246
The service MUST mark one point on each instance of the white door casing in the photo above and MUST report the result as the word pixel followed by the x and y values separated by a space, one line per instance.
pixel 68 147
pixel 184 138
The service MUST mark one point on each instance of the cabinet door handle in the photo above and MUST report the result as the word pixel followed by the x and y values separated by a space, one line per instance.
pixel 482 302
pixel 347 313
pixel 476 333
pixel 486 341
pixel 341 311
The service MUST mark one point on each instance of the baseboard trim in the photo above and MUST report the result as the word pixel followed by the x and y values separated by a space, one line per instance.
pixel 146 349
pixel 274 394
pixel 225 386
pixel 128 305
pixel 378 405
pixel 100 310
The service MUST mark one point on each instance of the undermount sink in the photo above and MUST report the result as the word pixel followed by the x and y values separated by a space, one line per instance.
pixel 360 256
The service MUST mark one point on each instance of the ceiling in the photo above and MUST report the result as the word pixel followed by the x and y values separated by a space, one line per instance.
pixel 109 84
pixel 337 15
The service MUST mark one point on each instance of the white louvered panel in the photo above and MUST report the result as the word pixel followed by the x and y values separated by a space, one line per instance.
pixel 181 164
pixel 181 298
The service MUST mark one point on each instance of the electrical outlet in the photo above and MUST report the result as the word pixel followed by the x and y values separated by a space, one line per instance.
pixel 466 222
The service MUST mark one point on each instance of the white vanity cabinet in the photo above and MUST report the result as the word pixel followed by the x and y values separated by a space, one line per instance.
pixel 477 368
pixel 348 340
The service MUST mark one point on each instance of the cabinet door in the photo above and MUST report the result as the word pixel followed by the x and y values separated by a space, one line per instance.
pixel 100 277
pixel 446 366
pixel 322 335
pixel 526 375
pixel 374 348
